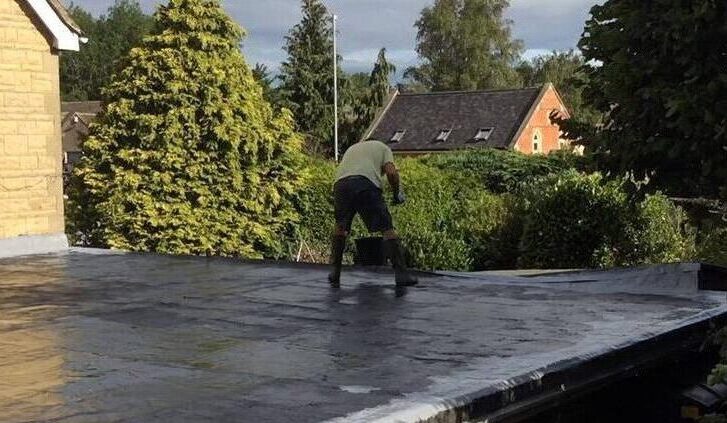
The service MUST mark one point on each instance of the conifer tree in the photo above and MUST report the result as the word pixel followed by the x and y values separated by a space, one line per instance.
pixel 362 108
pixel 188 158
pixel 379 82
pixel 307 76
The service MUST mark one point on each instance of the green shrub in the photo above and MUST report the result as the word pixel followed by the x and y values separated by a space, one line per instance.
pixel 502 171
pixel 316 211
pixel 492 225
pixel 429 223
pixel 664 233
pixel 563 220
pixel 430 233
pixel 574 221
pixel 447 222
pixel 713 247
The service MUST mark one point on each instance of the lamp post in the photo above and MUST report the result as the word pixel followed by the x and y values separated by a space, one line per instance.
pixel 335 91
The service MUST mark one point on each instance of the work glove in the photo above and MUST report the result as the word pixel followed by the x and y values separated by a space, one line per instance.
pixel 399 198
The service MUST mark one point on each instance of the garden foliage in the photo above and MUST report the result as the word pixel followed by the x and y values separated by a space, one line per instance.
pixel 502 171
pixel 575 220
pixel 565 219
pixel 657 71
pixel 713 246
pixel 188 158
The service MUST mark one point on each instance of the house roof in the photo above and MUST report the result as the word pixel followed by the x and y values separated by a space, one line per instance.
pixel 67 35
pixel 465 113
pixel 76 118
pixel 160 338
pixel 91 107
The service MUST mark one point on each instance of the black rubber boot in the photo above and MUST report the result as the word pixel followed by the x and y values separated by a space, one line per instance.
pixel 396 255
pixel 338 244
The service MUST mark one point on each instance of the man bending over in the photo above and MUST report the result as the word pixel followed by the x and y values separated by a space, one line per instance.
pixel 359 180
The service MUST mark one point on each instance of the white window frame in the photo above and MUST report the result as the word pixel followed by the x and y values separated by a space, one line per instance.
pixel 537 142
pixel 483 134
pixel 398 136
pixel 443 135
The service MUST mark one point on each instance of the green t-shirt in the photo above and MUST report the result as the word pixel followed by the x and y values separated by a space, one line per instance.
pixel 367 159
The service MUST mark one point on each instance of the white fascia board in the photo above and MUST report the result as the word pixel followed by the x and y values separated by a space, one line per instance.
pixel 63 37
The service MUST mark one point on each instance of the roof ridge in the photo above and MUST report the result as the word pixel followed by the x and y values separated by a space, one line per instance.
pixel 498 90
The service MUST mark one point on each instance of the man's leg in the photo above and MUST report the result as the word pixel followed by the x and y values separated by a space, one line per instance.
pixel 396 255
pixel 343 197
pixel 338 244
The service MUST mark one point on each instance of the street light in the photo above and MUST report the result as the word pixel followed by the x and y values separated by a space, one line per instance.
pixel 335 91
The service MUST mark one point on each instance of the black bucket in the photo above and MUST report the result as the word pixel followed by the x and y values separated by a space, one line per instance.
pixel 370 251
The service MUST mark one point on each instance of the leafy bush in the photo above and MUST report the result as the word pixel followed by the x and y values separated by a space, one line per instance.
pixel 567 219
pixel 502 171
pixel 316 211
pixel 573 221
pixel 664 233
pixel 447 223
pixel 430 222
pixel 492 225
pixel 713 247
pixel 580 220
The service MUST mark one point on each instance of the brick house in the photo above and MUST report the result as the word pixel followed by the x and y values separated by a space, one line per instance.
pixel 32 33
pixel 516 119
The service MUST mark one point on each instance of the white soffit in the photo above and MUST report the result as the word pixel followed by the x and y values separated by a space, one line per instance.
pixel 64 38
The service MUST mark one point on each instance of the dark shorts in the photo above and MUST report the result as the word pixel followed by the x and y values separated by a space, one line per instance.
pixel 356 194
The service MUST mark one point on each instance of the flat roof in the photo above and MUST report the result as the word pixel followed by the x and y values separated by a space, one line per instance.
pixel 97 336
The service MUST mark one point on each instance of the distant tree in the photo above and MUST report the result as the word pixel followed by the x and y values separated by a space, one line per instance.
pixel 380 81
pixel 78 75
pixel 188 158
pixel 564 70
pixel 261 73
pixel 658 72
pixel 110 37
pixel 365 95
pixel 306 77
pixel 466 45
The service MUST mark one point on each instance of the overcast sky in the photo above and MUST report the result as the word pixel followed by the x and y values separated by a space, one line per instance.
pixel 364 26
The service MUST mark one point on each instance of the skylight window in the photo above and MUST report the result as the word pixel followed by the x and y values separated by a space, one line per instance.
pixel 443 135
pixel 398 135
pixel 483 134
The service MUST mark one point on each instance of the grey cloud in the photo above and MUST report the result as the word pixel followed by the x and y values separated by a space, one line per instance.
pixel 367 25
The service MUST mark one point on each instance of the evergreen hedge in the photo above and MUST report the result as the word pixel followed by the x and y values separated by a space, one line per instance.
pixel 575 220
pixel 564 220
pixel 501 171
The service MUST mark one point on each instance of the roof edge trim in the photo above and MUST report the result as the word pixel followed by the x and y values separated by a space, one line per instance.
pixel 529 116
pixel 65 37
pixel 382 113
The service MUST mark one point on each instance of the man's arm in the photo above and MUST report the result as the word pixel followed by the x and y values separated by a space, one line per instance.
pixel 392 175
